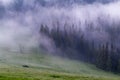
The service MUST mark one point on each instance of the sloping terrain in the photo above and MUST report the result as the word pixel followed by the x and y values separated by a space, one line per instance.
pixel 20 66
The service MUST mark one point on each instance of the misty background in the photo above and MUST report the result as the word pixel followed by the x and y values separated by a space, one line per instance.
pixel 20 20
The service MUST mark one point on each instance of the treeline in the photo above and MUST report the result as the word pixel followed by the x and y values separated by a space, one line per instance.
pixel 74 45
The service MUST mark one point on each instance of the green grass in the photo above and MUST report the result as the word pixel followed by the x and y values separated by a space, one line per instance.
pixel 46 67
pixel 8 72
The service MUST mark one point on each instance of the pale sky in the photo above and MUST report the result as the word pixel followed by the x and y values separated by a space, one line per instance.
pixel 6 2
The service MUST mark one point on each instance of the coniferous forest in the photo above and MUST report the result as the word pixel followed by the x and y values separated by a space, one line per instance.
pixel 59 39
pixel 73 43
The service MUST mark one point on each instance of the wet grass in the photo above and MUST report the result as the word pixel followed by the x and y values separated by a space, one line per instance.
pixel 8 72
pixel 16 66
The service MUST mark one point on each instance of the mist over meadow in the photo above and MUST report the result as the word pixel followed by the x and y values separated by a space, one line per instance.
pixel 78 24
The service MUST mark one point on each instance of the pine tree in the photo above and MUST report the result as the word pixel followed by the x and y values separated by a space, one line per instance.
pixel 118 67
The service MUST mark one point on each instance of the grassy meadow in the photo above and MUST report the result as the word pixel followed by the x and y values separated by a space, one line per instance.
pixel 20 66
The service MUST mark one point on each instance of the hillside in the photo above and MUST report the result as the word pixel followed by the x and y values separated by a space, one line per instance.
pixel 46 67
pixel 59 40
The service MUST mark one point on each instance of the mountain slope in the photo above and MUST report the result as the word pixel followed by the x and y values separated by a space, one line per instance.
pixel 43 67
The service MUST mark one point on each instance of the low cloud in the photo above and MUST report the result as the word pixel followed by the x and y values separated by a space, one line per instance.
pixel 21 28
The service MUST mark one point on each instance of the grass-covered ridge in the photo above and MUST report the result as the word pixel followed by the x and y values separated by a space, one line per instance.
pixel 46 67
pixel 19 73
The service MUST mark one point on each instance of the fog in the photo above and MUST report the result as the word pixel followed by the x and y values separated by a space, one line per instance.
pixel 20 21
